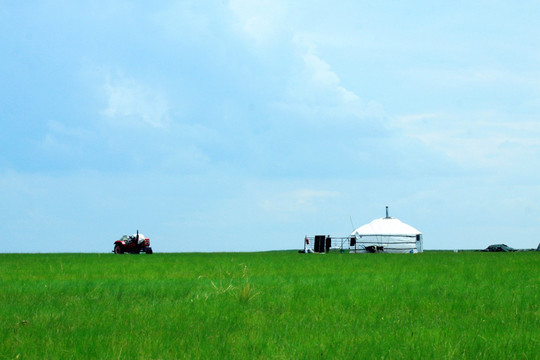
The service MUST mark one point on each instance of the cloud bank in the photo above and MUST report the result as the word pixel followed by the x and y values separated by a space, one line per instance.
pixel 245 125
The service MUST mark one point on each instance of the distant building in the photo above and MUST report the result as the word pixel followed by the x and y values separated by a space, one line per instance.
pixel 387 234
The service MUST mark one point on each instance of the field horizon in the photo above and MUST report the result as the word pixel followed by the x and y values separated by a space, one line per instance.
pixel 272 304
pixel 238 252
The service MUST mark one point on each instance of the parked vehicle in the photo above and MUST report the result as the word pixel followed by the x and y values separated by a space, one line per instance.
pixel 133 244
pixel 499 248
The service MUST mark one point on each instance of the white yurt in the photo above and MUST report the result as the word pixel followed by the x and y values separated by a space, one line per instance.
pixel 386 234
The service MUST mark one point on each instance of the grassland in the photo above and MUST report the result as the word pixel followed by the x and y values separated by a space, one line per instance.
pixel 280 305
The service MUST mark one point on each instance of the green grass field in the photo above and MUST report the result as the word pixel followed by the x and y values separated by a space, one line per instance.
pixel 279 305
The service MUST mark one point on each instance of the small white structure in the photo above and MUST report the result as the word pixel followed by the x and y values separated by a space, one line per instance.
pixel 388 233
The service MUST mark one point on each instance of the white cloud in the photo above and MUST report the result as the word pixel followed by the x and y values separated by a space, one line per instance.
pixel 483 75
pixel 321 74
pixel 477 140
pixel 260 20
pixel 296 201
pixel 317 90
pixel 61 138
pixel 131 102
pixel 185 20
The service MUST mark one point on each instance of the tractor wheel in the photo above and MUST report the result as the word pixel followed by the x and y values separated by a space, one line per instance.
pixel 149 251
pixel 118 249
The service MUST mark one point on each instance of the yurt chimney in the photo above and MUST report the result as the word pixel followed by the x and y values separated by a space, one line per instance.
pixel 387 212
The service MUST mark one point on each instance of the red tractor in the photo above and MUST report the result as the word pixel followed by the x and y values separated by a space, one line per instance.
pixel 133 244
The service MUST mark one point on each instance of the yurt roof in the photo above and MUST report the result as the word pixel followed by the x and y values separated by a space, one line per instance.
pixel 386 226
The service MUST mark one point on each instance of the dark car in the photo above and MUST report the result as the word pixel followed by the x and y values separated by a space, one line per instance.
pixel 499 248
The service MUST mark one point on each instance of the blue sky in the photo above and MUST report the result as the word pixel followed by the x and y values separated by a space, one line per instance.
pixel 244 125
